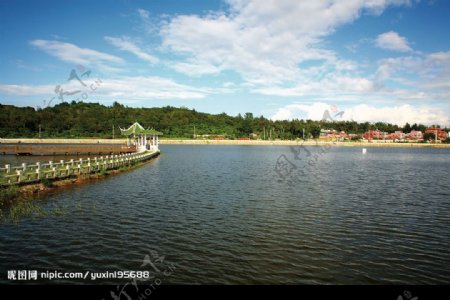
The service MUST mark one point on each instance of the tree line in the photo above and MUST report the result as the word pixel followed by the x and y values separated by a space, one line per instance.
pixel 81 119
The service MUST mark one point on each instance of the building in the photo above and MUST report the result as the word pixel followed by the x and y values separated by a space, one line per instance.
pixel 415 135
pixel 143 139
pixel 396 136
pixel 333 135
pixel 400 135
pixel 440 134
pixel 375 134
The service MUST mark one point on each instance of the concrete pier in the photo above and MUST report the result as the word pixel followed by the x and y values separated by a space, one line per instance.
pixel 33 173
pixel 64 146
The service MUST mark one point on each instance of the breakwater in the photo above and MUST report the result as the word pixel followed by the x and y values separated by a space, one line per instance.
pixel 34 173
pixel 64 146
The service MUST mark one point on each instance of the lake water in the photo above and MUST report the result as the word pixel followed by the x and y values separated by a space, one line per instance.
pixel 222 214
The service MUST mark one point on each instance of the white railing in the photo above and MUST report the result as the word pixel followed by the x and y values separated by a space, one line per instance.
pixel 62 169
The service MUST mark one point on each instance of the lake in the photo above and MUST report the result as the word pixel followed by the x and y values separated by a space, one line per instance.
pixel 225 215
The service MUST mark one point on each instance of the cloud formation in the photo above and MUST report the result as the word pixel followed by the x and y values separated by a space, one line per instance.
pixel 392 41
pixel 263 41
pixel 73 54
pixel 125 88
pixel 126 45
pixel 397 114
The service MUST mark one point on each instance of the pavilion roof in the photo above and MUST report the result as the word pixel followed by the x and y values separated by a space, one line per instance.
pixel 137 128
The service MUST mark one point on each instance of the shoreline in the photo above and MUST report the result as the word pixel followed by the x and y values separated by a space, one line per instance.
pixel 232 142
pixel 295 143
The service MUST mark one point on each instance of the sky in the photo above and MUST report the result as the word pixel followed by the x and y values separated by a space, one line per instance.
pixel 373 60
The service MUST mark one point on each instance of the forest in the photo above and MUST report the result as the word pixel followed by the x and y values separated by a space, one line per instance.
pixel 81 119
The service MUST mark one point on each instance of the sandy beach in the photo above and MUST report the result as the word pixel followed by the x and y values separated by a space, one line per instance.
pixel 300 142
pixel 233 142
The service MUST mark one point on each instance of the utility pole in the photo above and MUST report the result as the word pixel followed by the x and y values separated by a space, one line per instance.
pixel 39 130
pixel 303 133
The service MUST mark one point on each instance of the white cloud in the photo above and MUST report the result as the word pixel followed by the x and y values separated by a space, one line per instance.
pixel 399 114
pixel 263 41
pixel 26 90
pixel 332 85
pixel 313 111
pixel 125 88
pixel 430 72
pixel 126 45
pixel 149 25
pixel 148 88
pixel 393 41
pixel 74 54
pixel 144 14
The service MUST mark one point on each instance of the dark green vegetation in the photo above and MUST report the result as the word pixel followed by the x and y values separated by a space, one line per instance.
pixel 6 194
pixel 79 119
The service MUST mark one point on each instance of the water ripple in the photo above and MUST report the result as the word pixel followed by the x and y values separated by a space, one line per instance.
pixel 224 216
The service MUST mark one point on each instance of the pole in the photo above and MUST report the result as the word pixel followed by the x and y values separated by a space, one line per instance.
pixel 194 133
pixel 39 130
pixel 113 130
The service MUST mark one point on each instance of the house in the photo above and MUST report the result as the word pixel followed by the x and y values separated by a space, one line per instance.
pixel 439 133
pixel 375 134
pixel 399 135
pixel 332 135
pixel 415 135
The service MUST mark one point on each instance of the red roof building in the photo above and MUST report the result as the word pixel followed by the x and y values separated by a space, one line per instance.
pixel 375 134
pixel 440 133
pixel 415 135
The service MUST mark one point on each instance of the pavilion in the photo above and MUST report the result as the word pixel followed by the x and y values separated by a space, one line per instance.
pixel 143 139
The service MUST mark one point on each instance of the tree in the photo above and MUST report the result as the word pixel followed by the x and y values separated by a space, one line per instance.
pixel 429 136
pixel 315 131
pixel 407 128
pixel 81 119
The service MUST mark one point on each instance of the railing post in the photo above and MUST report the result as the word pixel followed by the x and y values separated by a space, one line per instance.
pixel 24 167
pixel 38 170
pixel 8 169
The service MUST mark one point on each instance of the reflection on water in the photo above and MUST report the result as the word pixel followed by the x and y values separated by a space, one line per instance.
pixel 223 215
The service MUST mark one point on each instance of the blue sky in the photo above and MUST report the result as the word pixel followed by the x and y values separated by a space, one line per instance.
pixel 376 60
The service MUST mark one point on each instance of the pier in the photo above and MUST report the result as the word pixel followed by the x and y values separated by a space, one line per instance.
pixel 34 173
pixel 140 144
pixel 65 146
pixel 64 149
